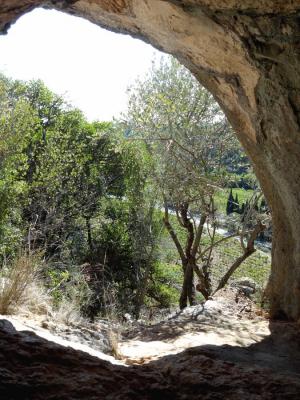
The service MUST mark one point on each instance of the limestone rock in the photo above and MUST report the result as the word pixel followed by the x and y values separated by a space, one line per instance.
pixel 246 52
pixel 32 368
pixel 7 327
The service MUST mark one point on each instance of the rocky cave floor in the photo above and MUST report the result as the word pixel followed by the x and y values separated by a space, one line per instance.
pixel 224 349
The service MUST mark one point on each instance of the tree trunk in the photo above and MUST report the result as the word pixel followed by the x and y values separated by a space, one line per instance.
pixel 188 288
pixel 89 234
pixel 142 290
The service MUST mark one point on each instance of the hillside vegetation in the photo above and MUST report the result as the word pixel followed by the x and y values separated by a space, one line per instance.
pixel 122 217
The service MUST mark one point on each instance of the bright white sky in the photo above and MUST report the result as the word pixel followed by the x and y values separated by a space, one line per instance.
pixel 91 66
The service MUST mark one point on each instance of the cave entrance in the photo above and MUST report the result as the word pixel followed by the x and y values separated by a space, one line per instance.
pixel 245 77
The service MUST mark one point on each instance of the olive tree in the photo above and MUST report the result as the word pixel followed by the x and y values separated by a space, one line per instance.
pixel 193 148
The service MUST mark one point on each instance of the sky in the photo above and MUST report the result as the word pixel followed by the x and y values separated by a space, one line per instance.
pixel 90 66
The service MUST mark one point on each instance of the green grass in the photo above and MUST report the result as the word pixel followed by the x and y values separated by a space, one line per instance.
pixel 221 197
pixel 167 279
pixel 257 266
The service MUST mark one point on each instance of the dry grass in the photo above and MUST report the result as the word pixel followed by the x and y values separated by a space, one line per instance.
pixel 16 279
pixel 36 300
pixel 114 339
pixel 68 313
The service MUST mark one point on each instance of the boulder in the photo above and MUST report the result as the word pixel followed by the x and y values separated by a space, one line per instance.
pixel 246 285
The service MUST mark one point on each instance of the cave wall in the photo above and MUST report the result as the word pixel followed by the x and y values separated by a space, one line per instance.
pixel 246 52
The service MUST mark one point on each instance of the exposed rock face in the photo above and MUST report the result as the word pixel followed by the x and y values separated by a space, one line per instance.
pixel 33 368
pixel 246 52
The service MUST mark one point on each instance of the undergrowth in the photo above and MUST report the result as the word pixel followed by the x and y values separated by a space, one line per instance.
pixel 16 282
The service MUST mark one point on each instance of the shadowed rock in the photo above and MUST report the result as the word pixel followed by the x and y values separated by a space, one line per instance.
pixel 34 368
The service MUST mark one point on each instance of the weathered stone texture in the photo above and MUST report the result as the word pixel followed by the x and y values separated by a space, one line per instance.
pixel 246 52
pixel 32 368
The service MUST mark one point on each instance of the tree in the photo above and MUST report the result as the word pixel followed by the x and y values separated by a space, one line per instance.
pixel 188 137
pixel 229 206
pixel 77 168
pixel 17 124
pixel 236 204
pixel 77 191
pixel 144 220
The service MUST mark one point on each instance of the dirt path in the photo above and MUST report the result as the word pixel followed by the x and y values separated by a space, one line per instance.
pixel 196 326
pixel 228 329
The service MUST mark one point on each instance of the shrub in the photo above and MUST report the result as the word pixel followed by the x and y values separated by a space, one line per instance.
pixel 16 279
pixel 165 285
pixel 69 291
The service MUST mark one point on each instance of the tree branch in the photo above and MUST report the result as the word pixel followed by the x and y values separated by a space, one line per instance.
pixel 189 227
pixel 250 249
pixel 173 235
pixel 198 235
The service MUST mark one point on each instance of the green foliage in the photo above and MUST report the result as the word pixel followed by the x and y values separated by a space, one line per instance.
pixel 90 194
pixel 59 183
pixel 192 151
pixel 183 127
pixel 221 198
pixel 55 280
pixel 257 266
pixel 166 281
